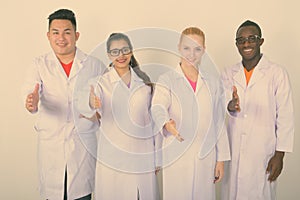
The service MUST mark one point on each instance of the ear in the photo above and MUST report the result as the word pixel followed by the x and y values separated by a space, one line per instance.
pixel 77 34
pixel 48 35
pixel 261 41
pixel 204 50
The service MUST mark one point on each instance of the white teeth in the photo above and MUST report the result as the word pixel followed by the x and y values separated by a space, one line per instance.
pixel 247 50
pixel 121 59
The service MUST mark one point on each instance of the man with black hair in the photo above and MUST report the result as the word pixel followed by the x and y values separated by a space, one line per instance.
pixel 65 162
pixel 261 121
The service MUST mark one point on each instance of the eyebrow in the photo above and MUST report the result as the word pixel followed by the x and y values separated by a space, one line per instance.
pixel 198 46
pixel 54 29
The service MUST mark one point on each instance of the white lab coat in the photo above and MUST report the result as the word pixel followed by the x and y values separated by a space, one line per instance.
pixel 126 155
pixel 265 124
pixel 188 167
pixel 60 147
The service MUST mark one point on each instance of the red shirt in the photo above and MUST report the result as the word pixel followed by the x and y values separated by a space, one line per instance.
pixel 67 67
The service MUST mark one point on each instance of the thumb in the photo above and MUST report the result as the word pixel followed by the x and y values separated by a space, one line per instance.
pixel 92 90
pixel 172 122
pixel 234 91
pixel 36 88
pixel 269 168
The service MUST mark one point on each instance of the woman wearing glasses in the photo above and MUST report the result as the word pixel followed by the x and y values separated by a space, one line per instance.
pixel 188 108
pixel 122 96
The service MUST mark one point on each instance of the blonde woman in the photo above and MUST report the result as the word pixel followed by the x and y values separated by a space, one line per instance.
pixel 187 107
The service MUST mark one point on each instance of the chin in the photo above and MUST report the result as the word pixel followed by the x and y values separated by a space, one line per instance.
pixel 122 66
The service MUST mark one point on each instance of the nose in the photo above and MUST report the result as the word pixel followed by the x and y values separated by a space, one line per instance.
pixel 246 43
pixel 192 54
pixel 61 36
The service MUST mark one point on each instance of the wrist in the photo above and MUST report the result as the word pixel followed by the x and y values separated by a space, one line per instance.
pixel 229 108
pixel 279 154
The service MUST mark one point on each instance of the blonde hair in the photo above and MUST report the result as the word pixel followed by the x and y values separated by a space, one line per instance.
pixel 193 31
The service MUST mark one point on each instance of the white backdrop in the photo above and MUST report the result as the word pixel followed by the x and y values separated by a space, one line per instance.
pixel 23 36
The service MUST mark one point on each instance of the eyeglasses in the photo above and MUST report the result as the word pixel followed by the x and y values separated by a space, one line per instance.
pixel 250 39
pixel 116 52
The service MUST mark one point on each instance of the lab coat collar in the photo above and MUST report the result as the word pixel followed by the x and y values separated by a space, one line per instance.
pixel 202 77
pixel 114 76
pixel 78 61
pixel 258 73
pixel 180 73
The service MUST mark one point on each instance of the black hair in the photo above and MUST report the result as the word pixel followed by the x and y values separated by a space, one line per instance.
pixel 250 23
pixel 63 14
pixel 133 62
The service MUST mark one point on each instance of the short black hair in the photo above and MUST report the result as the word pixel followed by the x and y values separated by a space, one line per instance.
pixel 63 14
pixel 250 23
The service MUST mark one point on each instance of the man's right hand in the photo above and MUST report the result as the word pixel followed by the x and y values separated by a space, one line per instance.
pixel 32 99
pixel 234 104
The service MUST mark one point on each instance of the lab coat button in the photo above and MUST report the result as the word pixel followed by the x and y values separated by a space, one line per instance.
pixel 245 115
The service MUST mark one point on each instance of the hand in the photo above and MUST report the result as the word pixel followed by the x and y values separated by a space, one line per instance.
pixel 95 118
pixel 219 171
pixel 275 166
pixel 157 170
pixel 95 102
pixel 234 104
pixel 32 99
pixel 170 126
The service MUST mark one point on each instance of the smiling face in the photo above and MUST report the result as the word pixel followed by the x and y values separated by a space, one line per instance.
pixel 62 38
pixel 121 61
pixel 191 49
pixel 250 48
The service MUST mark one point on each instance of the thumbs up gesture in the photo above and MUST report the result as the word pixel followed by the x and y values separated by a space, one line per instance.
pixel 234 103
pixel 32 99
pixel 95 102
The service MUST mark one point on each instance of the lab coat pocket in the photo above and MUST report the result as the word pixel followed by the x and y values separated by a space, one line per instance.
pixel 265 188
pixel 46 126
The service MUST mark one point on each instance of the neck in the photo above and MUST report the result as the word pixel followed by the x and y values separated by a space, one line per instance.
pixel 125 74
pixel 250 64
pixel 66 59
pixel 122 71
pixel 190 71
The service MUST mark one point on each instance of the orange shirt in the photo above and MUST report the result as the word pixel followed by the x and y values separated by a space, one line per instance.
pixel 248 74
pixel 67 67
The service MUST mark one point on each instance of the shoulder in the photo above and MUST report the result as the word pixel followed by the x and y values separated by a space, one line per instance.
pixel 274 67
pixel 169 75
pixel 45 59
pixel 229 71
